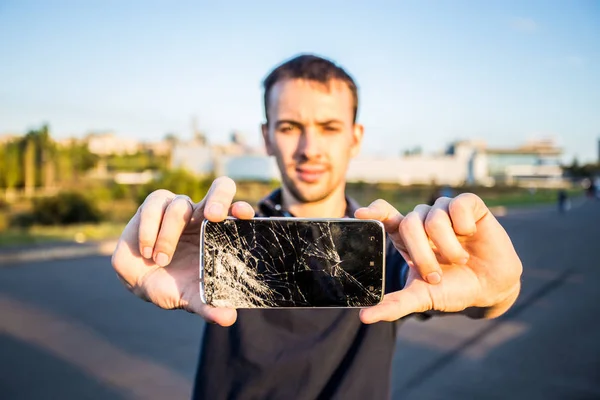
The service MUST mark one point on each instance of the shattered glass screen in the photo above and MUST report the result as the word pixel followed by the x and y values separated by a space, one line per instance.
pixel 293 263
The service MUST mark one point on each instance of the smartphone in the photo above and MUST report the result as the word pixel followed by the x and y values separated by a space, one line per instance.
pixel 292 262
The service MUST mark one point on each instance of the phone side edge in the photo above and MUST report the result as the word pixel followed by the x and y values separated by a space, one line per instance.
pixel 201 266
pixel 384 257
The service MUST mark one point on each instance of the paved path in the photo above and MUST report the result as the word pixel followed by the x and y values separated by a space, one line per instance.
pixel 69 330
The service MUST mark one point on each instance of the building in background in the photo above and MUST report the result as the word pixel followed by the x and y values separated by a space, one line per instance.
pixel 105 144
pixel 465 162
pixel 194 156
pixel 535 164
pixel 235 159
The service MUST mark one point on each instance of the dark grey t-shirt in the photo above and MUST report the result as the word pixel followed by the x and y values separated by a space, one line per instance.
pixel 300 354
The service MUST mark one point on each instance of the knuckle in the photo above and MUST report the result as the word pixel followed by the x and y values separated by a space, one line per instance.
pixel 466 198
pixel 461 203
pixel 180 206
pixel 425 265
pixel 410 222
pixel 119 267
pixel 435 220
pixel 146 238
pixel 443 200
pixel 166 246
pixel 225 182
pixel 114 260
pixel 421 208
pixel 160 193
pixel 379 203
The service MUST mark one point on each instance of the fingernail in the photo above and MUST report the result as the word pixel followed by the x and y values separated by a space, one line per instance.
pixel 162 259
pixel 216 209
pixel 433 278
pixel 147 252
pixel 465 258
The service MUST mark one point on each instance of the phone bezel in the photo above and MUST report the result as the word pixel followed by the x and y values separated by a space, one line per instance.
pixel 295 219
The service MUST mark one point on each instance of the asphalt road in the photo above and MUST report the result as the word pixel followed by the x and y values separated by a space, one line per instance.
pixel 68 330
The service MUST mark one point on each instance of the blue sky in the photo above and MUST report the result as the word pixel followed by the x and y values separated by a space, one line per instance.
pixel 428 72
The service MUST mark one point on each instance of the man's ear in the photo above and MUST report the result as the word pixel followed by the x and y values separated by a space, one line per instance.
pixel 357 137
pixel 266 138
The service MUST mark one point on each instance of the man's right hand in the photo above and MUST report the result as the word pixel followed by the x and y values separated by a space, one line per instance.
pixel 157 256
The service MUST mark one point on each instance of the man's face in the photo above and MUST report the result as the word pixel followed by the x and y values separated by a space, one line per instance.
pixel 312 135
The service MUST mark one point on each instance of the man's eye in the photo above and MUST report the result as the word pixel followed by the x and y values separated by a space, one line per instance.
pixel 332 129
pixel 286 128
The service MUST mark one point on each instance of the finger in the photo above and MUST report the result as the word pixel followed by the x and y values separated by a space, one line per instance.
pixel 418 246
pixel 242 210
pixel 215 315
pixel 465 211
pixel 218 199
pixel 396 305
pixel 438 227
pixel 176 217
pixel 383 211
pixel 151 215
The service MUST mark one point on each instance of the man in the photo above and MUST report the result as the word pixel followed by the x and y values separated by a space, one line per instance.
pixel 458 257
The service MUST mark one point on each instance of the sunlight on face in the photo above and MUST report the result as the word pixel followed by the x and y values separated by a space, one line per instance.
pixel 312 135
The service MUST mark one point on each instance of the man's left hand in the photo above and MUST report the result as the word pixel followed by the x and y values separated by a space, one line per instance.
pixel 459 255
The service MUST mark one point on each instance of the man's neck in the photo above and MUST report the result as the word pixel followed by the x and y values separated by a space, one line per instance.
pixel 333 206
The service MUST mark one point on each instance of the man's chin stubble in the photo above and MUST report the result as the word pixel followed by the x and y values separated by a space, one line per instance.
pixel 308 197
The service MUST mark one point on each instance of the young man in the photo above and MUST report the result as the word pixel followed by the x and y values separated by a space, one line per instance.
pixel 458 257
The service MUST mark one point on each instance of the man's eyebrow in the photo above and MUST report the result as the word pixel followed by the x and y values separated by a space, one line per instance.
pixel 287 121
pixel 322 123
pixel 330 122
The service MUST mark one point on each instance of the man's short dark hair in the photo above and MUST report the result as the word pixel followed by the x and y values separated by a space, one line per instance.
pixel 311 68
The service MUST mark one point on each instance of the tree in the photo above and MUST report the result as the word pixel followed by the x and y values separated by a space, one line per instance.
pixel 2 165
pixel 29 166
pixel 12 173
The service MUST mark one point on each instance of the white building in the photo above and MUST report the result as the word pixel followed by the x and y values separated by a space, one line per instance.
pixel 250 168
pixel 463 162
pixel 193 157
pixel 105 144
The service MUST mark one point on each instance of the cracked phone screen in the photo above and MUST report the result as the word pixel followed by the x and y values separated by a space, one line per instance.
pixel 273 262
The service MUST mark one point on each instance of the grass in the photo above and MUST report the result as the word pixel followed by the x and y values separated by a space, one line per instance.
pixel 403 198
pixel 71 233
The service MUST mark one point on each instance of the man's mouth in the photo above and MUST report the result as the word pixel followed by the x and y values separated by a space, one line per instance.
pixel 310 174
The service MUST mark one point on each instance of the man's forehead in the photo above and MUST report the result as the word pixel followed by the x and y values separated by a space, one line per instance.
pixel 299 99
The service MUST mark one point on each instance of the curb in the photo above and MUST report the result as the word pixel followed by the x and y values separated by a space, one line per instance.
pixel 57 252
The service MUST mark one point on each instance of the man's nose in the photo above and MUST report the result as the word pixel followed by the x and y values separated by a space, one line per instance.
pixel 310 145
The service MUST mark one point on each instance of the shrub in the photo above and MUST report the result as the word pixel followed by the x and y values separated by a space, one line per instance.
pixel 4 221
pixel 65 208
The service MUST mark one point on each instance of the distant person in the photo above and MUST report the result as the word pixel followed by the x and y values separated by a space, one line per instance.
pixel 595 188
pixel 563 201
pixel 453 256
pixel 590 190
pixel 447 191
pixel 436 194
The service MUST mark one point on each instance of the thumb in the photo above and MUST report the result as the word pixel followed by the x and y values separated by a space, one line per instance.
pixel 413 299
pixel 383 211
pixel 215 315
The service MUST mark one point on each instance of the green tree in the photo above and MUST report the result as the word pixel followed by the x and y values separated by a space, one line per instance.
pixel 29 166
pixel 65 167
pixel 13 169
pixel 2 165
